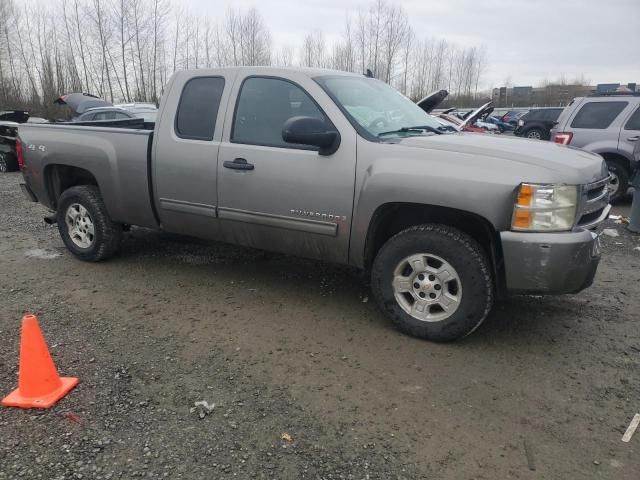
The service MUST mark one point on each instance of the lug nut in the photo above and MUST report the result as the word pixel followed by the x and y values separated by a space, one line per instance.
pixel 432 295
pixel 437 287
pixel 416 285
pixel 432 278
pixel 420 277
pixel 422 295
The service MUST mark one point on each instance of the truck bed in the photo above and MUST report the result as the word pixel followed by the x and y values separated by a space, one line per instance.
pixel 118 158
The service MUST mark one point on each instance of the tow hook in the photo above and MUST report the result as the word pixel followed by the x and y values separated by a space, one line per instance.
pixel 51 219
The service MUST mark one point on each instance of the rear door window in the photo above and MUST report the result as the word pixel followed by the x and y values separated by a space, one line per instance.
pixel 634 122
pixel 598 115
pixel 533 115
pixel 198 108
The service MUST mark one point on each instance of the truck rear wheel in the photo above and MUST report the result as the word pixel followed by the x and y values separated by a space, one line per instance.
pixel 84 225
pixel 434 282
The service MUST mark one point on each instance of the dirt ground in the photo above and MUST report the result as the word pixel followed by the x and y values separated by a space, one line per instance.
pixel 543 390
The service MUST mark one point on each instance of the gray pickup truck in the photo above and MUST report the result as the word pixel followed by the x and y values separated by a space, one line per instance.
pixel 336 167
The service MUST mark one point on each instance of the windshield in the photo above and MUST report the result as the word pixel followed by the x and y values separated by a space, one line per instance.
pixel 377 108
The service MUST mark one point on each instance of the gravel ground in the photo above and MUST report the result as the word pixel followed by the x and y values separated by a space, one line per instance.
pixel 307 377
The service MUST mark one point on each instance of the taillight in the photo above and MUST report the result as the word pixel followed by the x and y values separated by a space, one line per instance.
pixel 563 138
pixel 19 154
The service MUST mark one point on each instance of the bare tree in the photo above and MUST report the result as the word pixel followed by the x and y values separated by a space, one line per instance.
pixel 125 50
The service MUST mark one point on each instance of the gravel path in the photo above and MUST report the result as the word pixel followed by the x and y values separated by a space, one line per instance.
pixel 308 379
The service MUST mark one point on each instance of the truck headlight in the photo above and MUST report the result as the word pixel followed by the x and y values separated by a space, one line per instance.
pixel 545 208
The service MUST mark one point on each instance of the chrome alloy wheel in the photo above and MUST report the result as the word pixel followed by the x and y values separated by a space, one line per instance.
pixel 427 287
pixel 80 225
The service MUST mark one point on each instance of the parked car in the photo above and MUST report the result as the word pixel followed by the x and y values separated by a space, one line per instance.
pixel 500 125
pixel 460 124
pixel 537 123
pixel 488 126
pixel 292 160
pixel 148 111
pixel 607 124
pixel 512 116
pixel 431 101
pixel 8 158
pixel 103 113
pixel 9 121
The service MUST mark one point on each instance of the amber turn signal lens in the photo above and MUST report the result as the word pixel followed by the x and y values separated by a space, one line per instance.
pixel 521 218
pixel 525 195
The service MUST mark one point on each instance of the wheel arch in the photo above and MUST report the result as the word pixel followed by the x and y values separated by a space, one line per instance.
pixel 59 177
pixel 618 158
pixel 392 218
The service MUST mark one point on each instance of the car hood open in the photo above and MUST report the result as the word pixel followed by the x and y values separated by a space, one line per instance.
pixel 432 100
pixel 81 102
pixel 485 109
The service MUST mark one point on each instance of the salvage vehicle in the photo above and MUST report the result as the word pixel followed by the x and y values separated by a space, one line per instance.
pixel 468 124
pixel 8 158
pixel 118 112
pixel 502 126
pixel 292 161
pixel 103 113
pixel 607 124
pixel 512 116
pixel 9 121
pixel 537 123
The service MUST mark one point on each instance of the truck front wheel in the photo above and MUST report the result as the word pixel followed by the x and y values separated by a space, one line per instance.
pixel 434 282
pixel 84 225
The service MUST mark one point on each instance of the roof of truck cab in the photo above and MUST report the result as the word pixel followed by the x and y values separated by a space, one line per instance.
pixel 275 71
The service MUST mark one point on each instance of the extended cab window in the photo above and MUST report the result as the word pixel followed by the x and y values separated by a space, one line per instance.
pixel 598 114
pixel 634 122
pixel 198 108
pixel 264 105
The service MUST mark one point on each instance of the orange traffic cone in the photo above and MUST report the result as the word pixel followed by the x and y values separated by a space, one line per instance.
pixel 39 385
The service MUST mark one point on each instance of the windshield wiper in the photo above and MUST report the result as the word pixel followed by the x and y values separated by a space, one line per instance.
pixel 418 128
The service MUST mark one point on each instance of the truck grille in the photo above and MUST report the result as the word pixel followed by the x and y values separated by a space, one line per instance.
pixel 593 205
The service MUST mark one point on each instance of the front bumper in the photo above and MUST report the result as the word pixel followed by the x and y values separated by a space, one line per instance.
pixel 550 263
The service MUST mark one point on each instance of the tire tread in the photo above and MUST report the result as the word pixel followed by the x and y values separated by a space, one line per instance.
pixel 476 254
pixel 109 235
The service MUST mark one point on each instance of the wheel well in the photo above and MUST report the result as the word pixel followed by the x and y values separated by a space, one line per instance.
pixel 392 218
pixel 616 157
pixel 58 178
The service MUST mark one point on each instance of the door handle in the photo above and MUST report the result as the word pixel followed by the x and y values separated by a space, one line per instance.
pixel 633 139
pixel 238 164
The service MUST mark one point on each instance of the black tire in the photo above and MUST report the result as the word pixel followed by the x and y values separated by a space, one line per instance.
pixel 7 163
pixel 535 134
pixel 458 249
pixel 622 176
pixel 107 233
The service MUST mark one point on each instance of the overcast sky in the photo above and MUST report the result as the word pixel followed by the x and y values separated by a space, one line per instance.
pixel 526 40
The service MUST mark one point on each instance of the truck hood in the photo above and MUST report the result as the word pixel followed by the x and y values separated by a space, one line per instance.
pixel 571 165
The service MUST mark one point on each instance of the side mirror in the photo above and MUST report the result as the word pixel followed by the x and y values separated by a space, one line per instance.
pixel 311 131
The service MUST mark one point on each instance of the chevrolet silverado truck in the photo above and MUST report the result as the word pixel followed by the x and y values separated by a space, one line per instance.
pixel 337 167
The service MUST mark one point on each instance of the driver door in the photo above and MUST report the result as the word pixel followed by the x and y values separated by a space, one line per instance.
pixel 279 196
